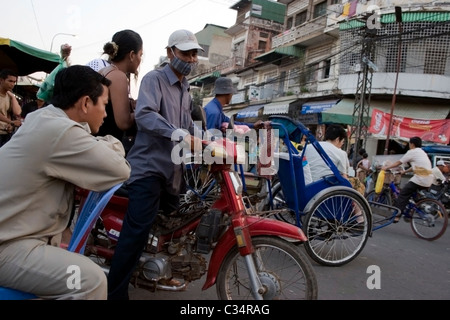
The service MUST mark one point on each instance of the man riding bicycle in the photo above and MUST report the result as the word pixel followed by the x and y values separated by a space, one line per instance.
pixel 422 178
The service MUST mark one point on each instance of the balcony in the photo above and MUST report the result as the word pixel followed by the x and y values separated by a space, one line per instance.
pixel 301 34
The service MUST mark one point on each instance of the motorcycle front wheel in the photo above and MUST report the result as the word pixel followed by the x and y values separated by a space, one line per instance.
pixel 284 271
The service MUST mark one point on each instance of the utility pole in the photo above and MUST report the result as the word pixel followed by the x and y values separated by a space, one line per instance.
pixel 399 20
pixel 360 122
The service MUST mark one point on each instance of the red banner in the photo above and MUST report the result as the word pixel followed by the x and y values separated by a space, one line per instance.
pixel 428 130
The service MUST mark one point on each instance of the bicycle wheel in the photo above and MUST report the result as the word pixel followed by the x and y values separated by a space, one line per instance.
pixel 429 220
pixel 384 197
pixel 279 202
pixel 200 185
pixel 337 227
pixel 284 271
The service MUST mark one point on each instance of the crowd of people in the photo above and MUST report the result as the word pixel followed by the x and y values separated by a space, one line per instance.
pixel 78 140
pixel 88 132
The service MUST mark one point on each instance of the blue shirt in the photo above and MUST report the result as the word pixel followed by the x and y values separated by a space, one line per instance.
pixel 163 106
pixel 215 116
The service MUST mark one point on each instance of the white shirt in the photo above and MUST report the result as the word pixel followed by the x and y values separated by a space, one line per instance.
pixel 421 165
pixel 438 175
pixel 318 167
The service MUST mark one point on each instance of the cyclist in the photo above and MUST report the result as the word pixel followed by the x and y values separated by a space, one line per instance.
pixel 422 178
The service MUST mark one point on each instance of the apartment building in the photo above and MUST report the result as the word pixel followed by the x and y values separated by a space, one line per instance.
pixel 323 61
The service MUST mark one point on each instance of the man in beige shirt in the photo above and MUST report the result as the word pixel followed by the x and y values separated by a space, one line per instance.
pixel 10 109
pixel 48 156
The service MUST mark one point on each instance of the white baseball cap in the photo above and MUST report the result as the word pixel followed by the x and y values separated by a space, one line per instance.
pixel 440 163
pixel 184 40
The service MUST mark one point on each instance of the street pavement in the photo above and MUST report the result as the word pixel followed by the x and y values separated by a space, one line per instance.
pixel 410 269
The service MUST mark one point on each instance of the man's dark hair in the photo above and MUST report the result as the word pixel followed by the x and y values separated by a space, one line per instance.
pixel 335 131
pixel 416 141
pixel 76 81
pixel 5 73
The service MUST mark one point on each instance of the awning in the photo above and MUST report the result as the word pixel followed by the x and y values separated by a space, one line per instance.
pixel 231 112
pixel 276 54
pixel 25 59
pixel 207 78
pixel 342 112
pixel 318 106
pixel 249 112
pixel 281 107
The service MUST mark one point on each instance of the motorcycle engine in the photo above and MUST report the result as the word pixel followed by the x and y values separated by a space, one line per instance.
pixel 177 260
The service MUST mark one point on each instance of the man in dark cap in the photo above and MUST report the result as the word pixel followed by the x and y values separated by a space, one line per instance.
pixel 215 117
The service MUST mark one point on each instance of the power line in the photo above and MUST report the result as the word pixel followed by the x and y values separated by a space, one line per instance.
pixel 37 24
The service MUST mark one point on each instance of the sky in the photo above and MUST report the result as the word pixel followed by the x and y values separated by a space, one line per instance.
pixel 94 22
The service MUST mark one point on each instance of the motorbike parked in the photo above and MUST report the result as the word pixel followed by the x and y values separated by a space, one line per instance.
pixel 440 192
pixel 245 255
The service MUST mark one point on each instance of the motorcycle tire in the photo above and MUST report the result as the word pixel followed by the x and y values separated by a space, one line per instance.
pixel 284 271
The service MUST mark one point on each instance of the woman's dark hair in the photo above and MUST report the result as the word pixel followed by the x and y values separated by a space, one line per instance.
pixel 76 81
pixel 416 141
pixel 335 131
pixel 122 43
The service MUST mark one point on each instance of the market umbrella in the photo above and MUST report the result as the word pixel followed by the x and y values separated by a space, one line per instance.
pixel 25 59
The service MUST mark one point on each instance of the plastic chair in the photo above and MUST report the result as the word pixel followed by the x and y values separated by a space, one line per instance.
pixel 91 210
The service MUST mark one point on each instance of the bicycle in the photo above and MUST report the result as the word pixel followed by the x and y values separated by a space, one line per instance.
pixel 201 187
pixel 327 211
pixel 429 218
pixel 336 219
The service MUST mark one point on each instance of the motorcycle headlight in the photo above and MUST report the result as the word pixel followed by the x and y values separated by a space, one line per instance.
pixel 237 182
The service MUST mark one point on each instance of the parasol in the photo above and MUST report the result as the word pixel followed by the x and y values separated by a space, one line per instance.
pixel 25 59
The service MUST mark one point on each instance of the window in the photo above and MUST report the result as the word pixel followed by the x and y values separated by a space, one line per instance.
pixel 326 69
pixel 238 50
pixel 435 60
pixel 300 18
pixel 311 72
pixel 293 77
pixel 289 23
pixel 250 80
pixel 320 9
pixel 270 76
pixel 262 45
pixel 392 59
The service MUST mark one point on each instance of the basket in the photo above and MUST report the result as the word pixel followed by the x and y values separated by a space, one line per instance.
pixel 389 177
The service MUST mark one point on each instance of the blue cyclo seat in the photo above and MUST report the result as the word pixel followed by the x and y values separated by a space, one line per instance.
pixel 91 210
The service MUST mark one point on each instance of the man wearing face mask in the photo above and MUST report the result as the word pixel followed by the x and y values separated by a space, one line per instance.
pixel 163 108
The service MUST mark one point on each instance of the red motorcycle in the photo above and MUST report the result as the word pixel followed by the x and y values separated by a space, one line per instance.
pixel 245 255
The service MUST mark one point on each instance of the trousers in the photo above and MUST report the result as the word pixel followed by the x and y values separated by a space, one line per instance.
pixel 405 194
pixel 50 272
pixel 146 197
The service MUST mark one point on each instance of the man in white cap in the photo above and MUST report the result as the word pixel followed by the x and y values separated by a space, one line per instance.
pixel 163 108
pixel 215 117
